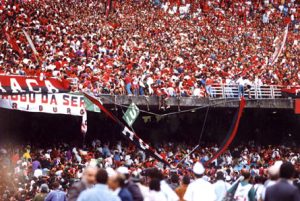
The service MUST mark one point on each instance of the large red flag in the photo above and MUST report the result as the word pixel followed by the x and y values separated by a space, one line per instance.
pixel 231 134
pixel 13 43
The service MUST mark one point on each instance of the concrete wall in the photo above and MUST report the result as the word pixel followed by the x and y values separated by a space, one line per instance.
pixel 282 103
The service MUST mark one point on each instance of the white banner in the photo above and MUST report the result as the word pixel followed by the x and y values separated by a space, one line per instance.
pixel 279 45
pixel 62 103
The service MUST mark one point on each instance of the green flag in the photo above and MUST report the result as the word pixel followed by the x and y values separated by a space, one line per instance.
pixel 131 114
pixel 89 106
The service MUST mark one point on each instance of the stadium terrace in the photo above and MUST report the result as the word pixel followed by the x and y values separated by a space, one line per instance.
pixel 154 100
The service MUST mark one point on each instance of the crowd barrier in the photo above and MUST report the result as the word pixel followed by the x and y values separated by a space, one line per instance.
pixel 256 92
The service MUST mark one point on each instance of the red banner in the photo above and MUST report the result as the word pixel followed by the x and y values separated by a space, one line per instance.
pixel 297 106
pixel 292 92
pixel 107 7
pixel 21 84
pixel 231 134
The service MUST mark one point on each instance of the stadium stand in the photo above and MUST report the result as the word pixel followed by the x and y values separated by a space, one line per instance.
pixel 162 48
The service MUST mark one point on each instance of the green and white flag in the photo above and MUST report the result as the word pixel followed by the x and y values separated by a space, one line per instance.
pixel 89 106
pixel 131 114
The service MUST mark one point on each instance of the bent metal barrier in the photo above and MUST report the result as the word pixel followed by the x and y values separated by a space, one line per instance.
pixel 256 92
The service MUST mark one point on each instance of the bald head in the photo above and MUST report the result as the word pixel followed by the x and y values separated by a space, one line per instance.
pixel 89 175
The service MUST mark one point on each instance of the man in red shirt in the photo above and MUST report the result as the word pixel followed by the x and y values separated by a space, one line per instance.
pixel 128 81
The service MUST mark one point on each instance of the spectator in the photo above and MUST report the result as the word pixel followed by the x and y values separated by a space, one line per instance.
pixel 155 191
pixel 56 194
pixel 174 181
pixel 199 187
pixel 88 180
pixel 44 189
pixel 100 191
pixel 284 190
pixel 259 188
pixel 130 185
pixel 221 187
pixel 245 190
pixel 180 190
pixel 154 173
pixel 273 174
pixel 139 180
pixel 117 184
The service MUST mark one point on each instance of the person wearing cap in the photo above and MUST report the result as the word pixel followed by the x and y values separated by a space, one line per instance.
pixel 273 176
pixel 44 189
pixel 220 186
pixel 283 189
pixel 200 189
pixel 88 180
pixel 130 185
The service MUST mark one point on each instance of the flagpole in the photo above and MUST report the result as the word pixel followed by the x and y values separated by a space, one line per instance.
pixel 36 54
pixel 181 161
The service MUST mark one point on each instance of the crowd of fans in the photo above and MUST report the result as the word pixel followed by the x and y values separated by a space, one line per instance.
pixel 152 47
pixel 66 172
pixel 163 48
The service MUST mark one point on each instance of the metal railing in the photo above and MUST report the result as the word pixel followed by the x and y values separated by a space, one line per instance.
pixel 256 92
pixel 235 91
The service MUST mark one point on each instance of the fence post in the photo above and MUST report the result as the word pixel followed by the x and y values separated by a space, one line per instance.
pixel 255 92
pixel 223 91
pixel 272 91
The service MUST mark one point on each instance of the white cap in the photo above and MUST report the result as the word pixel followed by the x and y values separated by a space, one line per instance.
pixel 198 168
pixel 123 170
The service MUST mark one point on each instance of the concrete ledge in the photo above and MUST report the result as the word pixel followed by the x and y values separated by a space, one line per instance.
pixel 282 103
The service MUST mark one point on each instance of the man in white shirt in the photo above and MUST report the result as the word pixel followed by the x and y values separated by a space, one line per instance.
pixel 221 186
pixel 241 84
pixel 200 189
pixel 154 173
pixel 258 83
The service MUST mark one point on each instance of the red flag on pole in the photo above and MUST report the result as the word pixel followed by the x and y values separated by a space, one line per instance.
pixel 108 7
pixel 13 43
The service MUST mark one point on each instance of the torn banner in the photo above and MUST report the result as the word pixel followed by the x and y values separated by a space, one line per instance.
pixel 127 133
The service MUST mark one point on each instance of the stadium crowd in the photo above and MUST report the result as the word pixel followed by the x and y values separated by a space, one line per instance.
pixel 101 171
pixel 152 47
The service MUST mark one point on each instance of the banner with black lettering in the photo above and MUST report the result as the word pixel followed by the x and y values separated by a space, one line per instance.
pixel 61 103
pixel 21 85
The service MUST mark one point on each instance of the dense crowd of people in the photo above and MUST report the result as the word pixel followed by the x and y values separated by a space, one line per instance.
pixel 163 48
pixel 152 47
pixel 101 171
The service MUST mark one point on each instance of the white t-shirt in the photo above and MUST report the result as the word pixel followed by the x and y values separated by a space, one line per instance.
pixel 200 190
pixel 221 188
pixel 168 193
pixel 155 196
